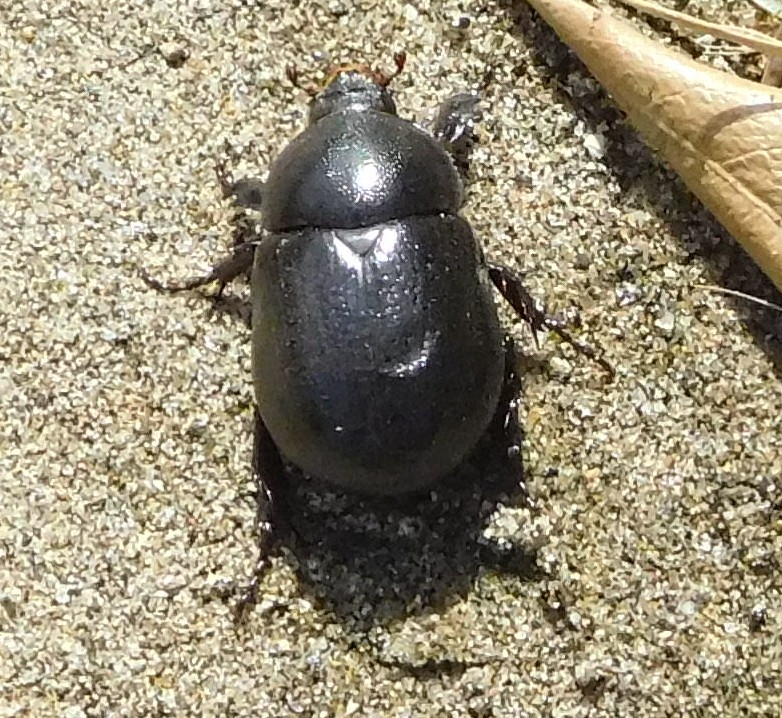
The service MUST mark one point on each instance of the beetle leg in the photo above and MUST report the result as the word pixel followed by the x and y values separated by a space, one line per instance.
pixel 239 261
pixel 509 402
pixel 271 510
pixel 246 192
pixel 505 429
pixel 454 127
pixel 516 294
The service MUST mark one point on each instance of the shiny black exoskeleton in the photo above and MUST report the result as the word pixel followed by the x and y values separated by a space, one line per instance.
pixel 377 352
pixel 378 358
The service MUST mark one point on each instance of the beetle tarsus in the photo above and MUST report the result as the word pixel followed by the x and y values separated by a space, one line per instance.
pixel 271 516
pixel 516 294
pixel 266 543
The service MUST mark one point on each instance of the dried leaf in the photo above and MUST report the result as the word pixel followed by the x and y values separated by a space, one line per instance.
pixel 772 74
pixel 721 133
pixel 740 35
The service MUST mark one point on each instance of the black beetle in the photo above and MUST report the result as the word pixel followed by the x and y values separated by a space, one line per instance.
pixel 378 357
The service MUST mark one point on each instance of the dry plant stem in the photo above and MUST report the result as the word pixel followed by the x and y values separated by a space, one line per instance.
pixel 721 133
pixel 740 295
pixel 741 35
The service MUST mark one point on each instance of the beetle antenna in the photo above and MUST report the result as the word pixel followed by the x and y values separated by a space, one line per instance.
pixel 400 58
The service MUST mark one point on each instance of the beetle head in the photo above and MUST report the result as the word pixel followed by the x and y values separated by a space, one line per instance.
pixel 352 87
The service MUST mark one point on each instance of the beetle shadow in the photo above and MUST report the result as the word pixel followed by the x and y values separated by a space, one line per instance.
pixel 637 170
pixel 371 561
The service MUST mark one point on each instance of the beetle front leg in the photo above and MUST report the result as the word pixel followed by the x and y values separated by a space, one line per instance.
pixel 240 261
pixel 516 294
pixel 246 193
pixel 271 516
pixel 454 127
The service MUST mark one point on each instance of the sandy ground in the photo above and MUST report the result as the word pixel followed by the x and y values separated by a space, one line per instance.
pixel 644 581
